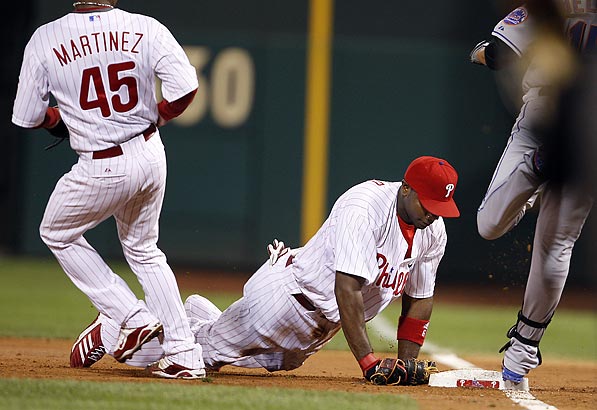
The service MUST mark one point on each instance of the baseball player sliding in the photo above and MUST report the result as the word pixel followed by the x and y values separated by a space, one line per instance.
pixel 381 241
pixel 523 172
pixel 100 64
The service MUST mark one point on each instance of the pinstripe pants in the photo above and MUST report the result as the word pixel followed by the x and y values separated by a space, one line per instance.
pixel 267 324
pixel 131 188
pixel 266 327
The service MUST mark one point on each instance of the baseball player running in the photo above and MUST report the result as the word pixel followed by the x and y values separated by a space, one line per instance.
pixel 522 174
pixel 100 64
pixel 381 241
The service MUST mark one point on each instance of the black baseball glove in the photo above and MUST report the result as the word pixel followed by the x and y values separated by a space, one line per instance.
pixel 418 371
pixel 411 372
pixel 388 372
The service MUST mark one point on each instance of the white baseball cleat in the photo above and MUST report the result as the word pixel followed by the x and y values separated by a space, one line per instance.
pixel 170 370
pixel 131 340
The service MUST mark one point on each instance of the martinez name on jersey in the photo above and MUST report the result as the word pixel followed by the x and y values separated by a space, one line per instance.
pixel 111 41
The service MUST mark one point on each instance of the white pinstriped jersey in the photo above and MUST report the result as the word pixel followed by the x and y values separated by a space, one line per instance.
pixel 100 66
pixel 362 237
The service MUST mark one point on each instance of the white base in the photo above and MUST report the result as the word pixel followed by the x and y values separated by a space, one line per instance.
pixel 479 378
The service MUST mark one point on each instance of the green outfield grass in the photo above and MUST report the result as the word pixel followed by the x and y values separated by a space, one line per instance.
pixel 38 301
pixel 463 329
pixel 67 395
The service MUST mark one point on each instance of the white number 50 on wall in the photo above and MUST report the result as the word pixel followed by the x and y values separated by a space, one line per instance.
pixel 229 92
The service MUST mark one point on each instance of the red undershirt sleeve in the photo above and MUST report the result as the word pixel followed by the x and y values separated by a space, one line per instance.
pixel 169 110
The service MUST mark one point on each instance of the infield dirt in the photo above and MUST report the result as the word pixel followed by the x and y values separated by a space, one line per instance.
pixel 563 384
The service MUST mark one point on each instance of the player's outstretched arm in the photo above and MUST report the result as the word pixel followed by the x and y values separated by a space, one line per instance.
pixel 412 326
pixel 412 329
pixel 352 316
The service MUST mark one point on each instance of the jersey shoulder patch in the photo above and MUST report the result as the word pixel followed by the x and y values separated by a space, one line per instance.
pixel 516 16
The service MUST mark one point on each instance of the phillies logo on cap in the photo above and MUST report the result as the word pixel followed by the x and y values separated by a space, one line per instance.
pixel 434 180
pixel 449 188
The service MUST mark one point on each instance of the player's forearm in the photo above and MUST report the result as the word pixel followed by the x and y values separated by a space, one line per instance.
pixel 357 338
pixel 408 349
pixel 413 324
pixel 352 314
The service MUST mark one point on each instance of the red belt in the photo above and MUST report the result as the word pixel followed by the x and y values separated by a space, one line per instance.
pixel 117 150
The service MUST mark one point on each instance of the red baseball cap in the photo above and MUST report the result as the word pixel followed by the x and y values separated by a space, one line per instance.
pixel 434 180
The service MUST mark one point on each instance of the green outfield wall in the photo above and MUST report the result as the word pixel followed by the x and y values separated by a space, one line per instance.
pixel 400 86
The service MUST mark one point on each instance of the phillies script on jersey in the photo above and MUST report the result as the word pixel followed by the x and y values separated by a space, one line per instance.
pixel 391 278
